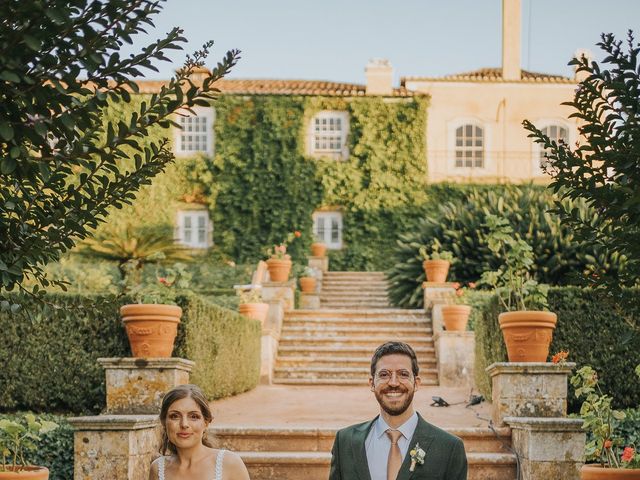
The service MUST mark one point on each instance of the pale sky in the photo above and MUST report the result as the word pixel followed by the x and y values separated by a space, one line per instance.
pixel 334 39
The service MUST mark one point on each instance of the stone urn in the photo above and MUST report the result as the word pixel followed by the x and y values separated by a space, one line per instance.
pixel 527 334
pixel 151 328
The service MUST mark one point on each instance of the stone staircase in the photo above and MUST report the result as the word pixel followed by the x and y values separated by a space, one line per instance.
pixel 354 290
pixel 333 346
pixel 304 453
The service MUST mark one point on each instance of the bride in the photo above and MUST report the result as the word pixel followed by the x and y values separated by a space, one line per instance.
pixel 187 454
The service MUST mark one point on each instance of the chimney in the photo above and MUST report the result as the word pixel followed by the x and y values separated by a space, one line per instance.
pixel 511 14
pixel 379 73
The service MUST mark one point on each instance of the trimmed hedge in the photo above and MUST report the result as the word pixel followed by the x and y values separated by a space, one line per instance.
pixel 49 351
pixel 224 344
pixel 589 328
pixel 55 449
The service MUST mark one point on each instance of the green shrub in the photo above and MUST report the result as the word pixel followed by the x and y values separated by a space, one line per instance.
pixel 50 351
pixel 459 227
pixel 224 344
pixel 589 327
pixel 55 449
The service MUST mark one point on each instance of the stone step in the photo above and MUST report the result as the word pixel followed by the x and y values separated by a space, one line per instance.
pixel 338 273
pixel 370 323
pixel 336 381
pixel 422 352
pixel 349 330
pixel 315 465
pixel 353 304
pixel 342 293
pixel 302 360
pixel 323 372
pixel 371 341
pixel 351 286
pixel 385 313
pixel 283 439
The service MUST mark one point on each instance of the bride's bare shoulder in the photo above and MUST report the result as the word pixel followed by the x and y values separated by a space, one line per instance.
pixel 233 467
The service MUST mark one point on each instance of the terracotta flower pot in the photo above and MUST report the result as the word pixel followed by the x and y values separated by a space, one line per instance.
pixel 308 284
pixel 257 311
pixel 279 269
pixel 318 249
pixel 30 472
pixel 527 334
pixel 596 472
pixel 436 270
pixel 151 328
pixel 456 317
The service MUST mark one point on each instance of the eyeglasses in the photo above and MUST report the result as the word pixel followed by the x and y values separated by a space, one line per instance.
pixel 384 376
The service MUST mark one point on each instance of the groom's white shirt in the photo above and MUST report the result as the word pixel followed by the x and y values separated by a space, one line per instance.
pixel 377 445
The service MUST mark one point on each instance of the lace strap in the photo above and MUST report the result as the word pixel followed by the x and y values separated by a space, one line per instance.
pixel 161 469
pixel 219 464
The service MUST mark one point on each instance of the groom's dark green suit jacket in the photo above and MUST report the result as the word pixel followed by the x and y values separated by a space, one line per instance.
pixel 445 458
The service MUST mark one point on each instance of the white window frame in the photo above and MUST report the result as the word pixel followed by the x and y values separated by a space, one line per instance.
pixel 452 127
pixel 192 230
pixel 209 116
pixel 327 117
pixel 322 217
pixel 538 149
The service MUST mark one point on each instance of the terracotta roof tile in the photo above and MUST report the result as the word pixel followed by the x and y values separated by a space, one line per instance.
pixel 283 87
pixel 490 75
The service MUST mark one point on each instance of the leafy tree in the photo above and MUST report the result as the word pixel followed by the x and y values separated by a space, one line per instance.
pixel 603 169
pixel 61 166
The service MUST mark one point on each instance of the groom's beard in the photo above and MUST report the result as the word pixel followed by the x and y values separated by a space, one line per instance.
pixel 395 409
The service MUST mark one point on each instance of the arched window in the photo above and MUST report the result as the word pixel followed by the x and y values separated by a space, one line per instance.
pixel 469 146
pixel 555 133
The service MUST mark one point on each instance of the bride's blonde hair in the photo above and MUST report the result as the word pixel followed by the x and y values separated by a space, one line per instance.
pixel 178 393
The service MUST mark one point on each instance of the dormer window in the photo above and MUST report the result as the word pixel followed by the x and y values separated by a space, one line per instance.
pixel 195 134
pixel 328 134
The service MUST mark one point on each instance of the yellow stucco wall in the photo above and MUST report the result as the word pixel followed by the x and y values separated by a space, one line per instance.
pixel 499 108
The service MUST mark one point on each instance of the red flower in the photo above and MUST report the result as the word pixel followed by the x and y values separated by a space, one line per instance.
pixel 608 444
pixel 628 454
pixel 297 234
pixel 163 281
pixel 472 285
pixel 455 285
pixel 560 357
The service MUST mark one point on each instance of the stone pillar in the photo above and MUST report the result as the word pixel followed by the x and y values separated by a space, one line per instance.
pixel 137 385
pixel 437 293
pixel 455 352
pixel 108 447
pixel 548 447
pixel 271 335
pixel 309 301
pixel 528 390
pixel 320 264
pixel 284 291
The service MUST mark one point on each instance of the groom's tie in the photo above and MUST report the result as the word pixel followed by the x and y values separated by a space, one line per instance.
pixel 395 457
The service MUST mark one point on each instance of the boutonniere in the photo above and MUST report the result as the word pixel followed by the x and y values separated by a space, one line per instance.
pixel 417 457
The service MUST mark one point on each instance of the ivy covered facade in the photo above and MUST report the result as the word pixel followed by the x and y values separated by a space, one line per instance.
pixel 270 157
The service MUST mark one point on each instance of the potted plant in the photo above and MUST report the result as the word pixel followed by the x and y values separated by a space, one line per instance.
pixel 15 438
pixel 152 321
pixel 252 306
pixel 436 264
pixel 279 261
pixel 307 280
pixel 611 456
pixel 456 315
pixel 318 248
pixel 527 332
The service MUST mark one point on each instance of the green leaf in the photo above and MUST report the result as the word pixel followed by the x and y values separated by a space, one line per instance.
pixel 8 165
pixel 9 76
pixel 6 131
pixel 33 43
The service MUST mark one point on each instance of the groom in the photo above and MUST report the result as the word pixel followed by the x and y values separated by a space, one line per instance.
pixel 398 443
